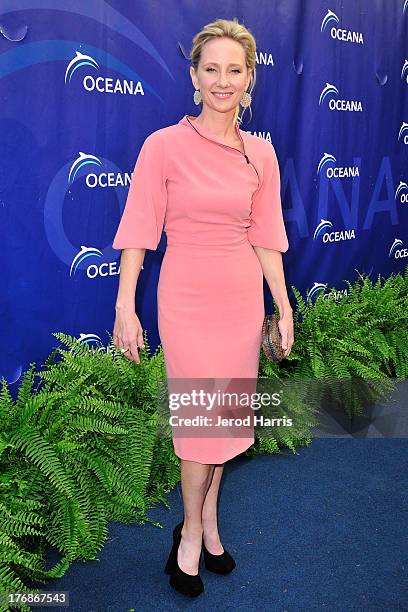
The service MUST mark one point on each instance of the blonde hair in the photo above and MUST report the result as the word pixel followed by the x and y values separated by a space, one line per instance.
pixel 236 31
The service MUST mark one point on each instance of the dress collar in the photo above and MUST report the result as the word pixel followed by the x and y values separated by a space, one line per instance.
pixel 191 120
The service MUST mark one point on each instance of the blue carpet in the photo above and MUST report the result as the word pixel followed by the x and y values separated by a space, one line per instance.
pixel 326 529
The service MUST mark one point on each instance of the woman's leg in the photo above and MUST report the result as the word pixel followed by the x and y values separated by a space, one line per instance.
pixel 211 536
pixel 195 481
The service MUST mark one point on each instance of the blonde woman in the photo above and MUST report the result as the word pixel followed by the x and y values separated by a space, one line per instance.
pixel 216 191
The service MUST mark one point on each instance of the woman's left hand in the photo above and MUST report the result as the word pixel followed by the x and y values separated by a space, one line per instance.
pixel 286 330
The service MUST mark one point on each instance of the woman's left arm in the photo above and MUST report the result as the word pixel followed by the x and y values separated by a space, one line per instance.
pixel 272 267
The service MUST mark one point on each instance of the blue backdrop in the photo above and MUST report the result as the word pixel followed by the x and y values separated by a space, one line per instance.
pixel 82 83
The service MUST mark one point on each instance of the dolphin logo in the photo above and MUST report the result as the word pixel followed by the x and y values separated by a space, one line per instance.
pixel 326 159
pixel 83 254
pixel 323 226
pixel 79 60
pixel 404 128
pixel 84 159
pixel 330 16
pixel 397 242
pixel 316 288
pixel 329 89
pixel 400 188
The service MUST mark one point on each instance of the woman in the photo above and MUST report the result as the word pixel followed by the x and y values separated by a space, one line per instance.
pixel 216 190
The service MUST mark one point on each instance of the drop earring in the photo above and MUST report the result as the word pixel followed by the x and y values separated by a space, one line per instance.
pixel 246 99
pixel 197 97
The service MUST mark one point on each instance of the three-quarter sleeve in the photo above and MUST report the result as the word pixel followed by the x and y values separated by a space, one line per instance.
pixel 142 221
pixel 267 228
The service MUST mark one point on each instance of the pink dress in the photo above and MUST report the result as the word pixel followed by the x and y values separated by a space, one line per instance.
pixel 214 203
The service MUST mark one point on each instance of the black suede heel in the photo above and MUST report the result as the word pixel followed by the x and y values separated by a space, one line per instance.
pixel 172 560
pixel 179 580
pixel 219 564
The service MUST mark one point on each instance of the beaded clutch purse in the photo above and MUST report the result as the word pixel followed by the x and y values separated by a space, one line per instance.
pixel 271 338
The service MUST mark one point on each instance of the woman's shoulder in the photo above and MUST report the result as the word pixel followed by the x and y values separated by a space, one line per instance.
pixel 261 148
pixel 164 133
pixel 261 144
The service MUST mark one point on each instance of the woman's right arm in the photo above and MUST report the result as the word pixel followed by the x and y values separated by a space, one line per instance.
pixel 127 331
pixel 140 228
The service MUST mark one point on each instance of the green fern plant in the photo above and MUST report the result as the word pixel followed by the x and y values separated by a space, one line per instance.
pixel 355 345
pixel 79 445
pixel 77 450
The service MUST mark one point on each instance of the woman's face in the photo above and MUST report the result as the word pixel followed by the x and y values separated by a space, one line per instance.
pixel 222 68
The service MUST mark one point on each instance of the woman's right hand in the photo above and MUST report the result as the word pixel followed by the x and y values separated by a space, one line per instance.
pixel 128 332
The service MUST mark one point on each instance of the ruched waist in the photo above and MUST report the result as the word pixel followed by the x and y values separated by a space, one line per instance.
pixel 240 243
pixel 242 250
